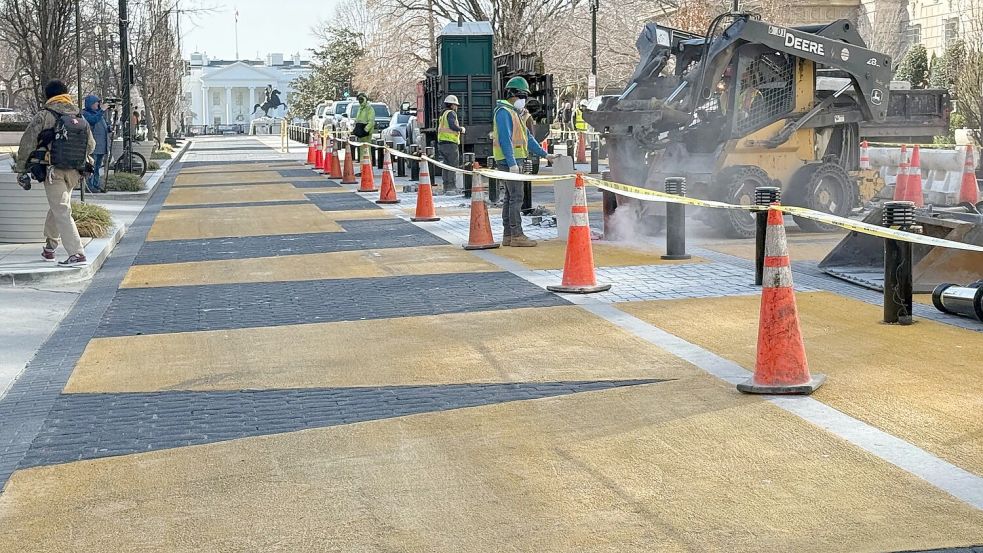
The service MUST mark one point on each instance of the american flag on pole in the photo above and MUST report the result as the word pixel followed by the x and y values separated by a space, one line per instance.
pixel 237 15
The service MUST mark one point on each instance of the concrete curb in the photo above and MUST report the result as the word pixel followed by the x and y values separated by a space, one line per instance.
pixel 49 274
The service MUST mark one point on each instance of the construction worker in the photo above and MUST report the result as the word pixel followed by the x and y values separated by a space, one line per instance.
pixel 449 142
pixel 578 117
pixel 364 123
pixel 511 144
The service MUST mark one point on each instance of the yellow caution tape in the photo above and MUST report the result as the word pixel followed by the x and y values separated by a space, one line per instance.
pixel 443 166
pixel 505 175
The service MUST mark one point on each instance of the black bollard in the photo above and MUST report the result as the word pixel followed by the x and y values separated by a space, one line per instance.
pixel 764 196
pixel 572 150
pixel 468 177
pixel 492 183
pixel 379 154
pixel 609 203
pixel 550 145
pixel 676 221
pixel 414 164
pixel 401 162
pixel 430 154
pixel 526 188
pixel 897 264
pixel 595 158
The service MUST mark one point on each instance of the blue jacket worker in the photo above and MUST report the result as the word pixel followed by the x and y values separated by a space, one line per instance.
pixel 96 118
pixel 511 144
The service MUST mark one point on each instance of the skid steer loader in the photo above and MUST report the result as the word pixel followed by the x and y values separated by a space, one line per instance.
pixel 739 108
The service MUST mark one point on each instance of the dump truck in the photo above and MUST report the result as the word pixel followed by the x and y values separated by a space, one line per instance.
pixel 468 68
pixel 739 108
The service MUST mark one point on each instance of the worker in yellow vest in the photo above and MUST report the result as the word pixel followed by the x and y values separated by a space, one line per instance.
pixel 511 144
pixel 449 132
pixel 578 117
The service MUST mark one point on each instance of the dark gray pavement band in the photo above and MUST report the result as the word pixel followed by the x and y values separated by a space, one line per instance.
pixel 341 201
pixel 87 426
pixel 262 304
pixel 359 235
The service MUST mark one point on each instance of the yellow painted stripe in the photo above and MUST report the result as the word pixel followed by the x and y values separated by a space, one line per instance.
pixel 185 179
pixel 532 344
pixel 234 194
pixel 186 224
pixel 922 383
pixel 678 466
pixel 332 265
pixel 550 254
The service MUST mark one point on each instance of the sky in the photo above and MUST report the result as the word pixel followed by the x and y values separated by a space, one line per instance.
pixel 265 26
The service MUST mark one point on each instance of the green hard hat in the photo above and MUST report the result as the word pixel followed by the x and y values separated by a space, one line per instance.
pixel 517 83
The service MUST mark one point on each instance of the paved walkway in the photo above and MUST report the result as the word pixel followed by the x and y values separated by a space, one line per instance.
pixel 270 361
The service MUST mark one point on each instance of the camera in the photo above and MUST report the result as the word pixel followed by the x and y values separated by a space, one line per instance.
pixel 110 102
pixel 24 180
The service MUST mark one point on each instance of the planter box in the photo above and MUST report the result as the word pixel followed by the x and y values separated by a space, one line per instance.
pixel 144 148
pixel 22 212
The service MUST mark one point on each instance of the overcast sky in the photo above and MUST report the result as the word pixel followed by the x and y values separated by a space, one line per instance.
pixel 265 26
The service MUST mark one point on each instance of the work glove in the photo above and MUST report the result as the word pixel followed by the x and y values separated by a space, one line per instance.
pixel 463 130
pixel 515 169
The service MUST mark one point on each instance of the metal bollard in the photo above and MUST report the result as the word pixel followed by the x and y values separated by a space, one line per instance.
pixel 960 300
pixel 414 164
pixel 595 159
pixel 764 196
pixel 550 145
pixel 676 221
pixel 468 177
pixel 430 154
pixel 378 154
pixel 492 183
pixel 401 162
pixel 609 203
pixel 572 150
pixel 897 264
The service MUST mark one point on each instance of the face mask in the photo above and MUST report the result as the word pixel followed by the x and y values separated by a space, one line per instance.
pixel 520 103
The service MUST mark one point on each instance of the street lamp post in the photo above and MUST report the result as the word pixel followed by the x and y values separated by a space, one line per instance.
pixel 124 64
pixel 78 77
pixel 592 80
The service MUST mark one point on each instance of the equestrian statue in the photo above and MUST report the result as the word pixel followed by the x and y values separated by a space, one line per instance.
pixel 272 101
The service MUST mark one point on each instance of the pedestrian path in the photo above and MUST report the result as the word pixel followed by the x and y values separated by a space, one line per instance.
pixel 271 361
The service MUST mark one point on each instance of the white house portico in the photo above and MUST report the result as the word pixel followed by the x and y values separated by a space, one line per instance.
pixel 226 92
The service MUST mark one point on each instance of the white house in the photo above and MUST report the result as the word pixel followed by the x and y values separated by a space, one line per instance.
pixel 223 92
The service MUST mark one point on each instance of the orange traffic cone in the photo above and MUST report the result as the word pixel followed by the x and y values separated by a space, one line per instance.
pixel 781 367
pixel 969 191
pixel 348 176
pixel 424 196
pixel 913 188
pixel 310 148
pixel 328 155
pixel 864 155
pixel 387 193
pixel 901 184
pixel 368 179
pixel 578 268
pixel 480 235
pixel 319 156
pixel 581 148
pixel 334 171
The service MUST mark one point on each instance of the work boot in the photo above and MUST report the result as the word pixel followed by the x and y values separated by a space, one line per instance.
pixel 506 240
pixel 521 241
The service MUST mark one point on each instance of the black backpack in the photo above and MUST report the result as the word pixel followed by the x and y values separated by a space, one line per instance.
pixel 69 141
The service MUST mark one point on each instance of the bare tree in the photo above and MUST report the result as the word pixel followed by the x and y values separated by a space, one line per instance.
pixel 883 27
pixel 156 60
pixel 40 35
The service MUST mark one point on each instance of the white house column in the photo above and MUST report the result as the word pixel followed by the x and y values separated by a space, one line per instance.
pixel 228 105
pixel 252 100
pixel 204 105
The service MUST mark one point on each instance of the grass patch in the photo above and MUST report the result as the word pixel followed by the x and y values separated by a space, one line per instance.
pixel 153 166
pixel 160 154
pixel 93 221
pixel 167 148
pixel 124 182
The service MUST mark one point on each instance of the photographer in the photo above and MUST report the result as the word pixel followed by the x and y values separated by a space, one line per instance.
pixel 96 118
pixel 55 149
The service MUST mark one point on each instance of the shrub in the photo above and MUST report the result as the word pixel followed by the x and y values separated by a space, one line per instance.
pixel 14 126
pixel 160 154
pixel 165 147
pixel 93 221
pixel 124 182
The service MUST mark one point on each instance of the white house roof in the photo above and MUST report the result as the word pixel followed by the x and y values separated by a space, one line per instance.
pixel 240 71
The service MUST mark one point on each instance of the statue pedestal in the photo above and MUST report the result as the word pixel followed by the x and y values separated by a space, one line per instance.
pixel 262 125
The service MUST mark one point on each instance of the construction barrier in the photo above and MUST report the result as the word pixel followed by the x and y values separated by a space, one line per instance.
pixel 941 170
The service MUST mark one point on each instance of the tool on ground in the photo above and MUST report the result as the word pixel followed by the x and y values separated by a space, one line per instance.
pixel 578 265
pixel 480 234
pixel 348 175
pixel 676 222
pixel 387 191
pixel 367 182
pixel 960 300
pixel 424 196
pixel 897 264
pixel 969 190
pixel 763 196
pixel 781 366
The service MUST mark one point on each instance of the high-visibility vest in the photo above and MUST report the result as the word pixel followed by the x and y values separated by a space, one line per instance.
pixel 444 132
pixel 520 140
pixel 578 120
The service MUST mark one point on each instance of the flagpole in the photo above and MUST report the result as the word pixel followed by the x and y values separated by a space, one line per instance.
pixel 237 34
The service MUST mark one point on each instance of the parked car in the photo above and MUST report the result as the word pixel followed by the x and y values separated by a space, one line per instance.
pixel 339 111
pixel 403 129
pixel 321 113
pixel 382 117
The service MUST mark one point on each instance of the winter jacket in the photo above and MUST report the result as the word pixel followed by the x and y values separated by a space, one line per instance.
pixel 98 125
pixel 44 119
pixel 366 114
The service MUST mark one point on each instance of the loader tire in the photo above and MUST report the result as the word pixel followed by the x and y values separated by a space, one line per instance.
pixel 828 190
pixel 735 185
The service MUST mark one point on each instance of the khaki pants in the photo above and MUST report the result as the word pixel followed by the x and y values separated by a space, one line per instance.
pixel 59 223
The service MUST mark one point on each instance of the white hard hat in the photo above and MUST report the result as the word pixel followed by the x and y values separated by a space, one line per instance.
pixel 583 102
pixel 452 100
